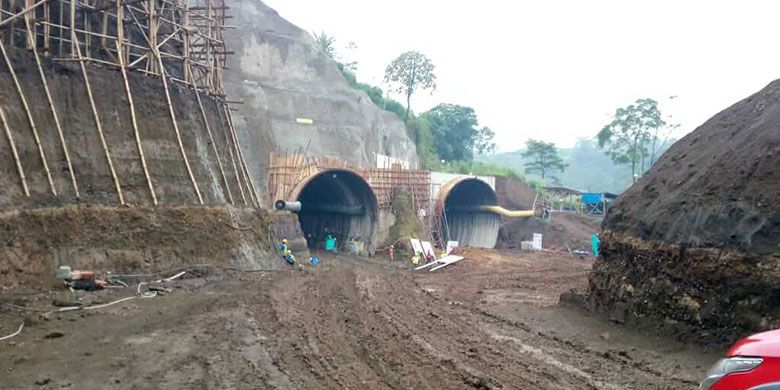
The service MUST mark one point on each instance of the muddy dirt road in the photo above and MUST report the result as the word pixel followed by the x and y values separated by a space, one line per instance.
pixel 347 323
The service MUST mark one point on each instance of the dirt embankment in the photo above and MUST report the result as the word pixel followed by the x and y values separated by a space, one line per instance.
pixel 96 185
pixel 562 229
pixel 128 239
pixel 694 246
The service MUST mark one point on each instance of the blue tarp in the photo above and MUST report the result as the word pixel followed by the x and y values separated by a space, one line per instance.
pixel 592 197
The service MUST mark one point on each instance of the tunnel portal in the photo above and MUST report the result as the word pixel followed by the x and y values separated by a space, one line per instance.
pixel 337 202
pixel 463 219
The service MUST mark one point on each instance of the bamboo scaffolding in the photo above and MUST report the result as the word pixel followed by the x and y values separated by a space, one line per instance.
pixel 179 40
pixel 242 162
pixel 178 133
pixel 107 153
pixel 213 144
pixel 57 124
pixel 10 138
pixel 137 135
pixel 29 118
pixel 232 159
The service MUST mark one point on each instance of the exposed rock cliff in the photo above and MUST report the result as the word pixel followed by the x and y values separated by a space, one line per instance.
pixel 281 76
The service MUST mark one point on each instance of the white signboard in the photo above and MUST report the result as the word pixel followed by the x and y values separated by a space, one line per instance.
pixel 537 241
pixel 416 245
pixel 451 245
pixel 428 249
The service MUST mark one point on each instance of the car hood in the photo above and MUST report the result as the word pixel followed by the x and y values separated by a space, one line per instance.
pixel 766 344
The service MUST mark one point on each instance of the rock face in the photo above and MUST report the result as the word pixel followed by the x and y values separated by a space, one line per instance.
pixel 694 246
pixel 294 96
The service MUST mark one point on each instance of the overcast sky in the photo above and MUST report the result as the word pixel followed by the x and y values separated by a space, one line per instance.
pixel 557 70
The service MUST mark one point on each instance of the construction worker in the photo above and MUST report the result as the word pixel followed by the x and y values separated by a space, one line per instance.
pixel 289 257
pixel 286 252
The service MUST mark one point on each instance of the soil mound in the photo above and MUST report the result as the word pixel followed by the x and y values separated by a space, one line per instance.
pixel 561 230
pixel 694 245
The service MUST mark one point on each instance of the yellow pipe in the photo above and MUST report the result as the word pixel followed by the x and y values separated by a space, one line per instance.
pixel 495 210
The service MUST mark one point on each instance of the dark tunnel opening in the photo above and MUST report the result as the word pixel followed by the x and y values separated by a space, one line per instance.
pixel 337 202
pixel 463 220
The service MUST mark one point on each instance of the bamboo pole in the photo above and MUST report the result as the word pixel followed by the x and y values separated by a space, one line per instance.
pixel 29 118
pixel 57 124
pixel 242 161
pixel 232 158
pixel 73 40
pixel 176 129
pixel 60 30
pixel 22 13
pixel 117 186
pixel 10 137
pixel 213 144
pixel 46 29
pixel 135 122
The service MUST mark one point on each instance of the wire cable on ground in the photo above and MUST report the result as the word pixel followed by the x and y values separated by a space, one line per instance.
pixel 13 334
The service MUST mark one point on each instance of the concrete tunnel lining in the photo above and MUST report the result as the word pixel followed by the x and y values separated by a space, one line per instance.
pixel 468 227
pixel 338 202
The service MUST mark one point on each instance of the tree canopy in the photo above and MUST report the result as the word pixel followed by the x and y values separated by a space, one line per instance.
pixel 453 128
pixel 410 72
pixel 542 158
pixel 626 140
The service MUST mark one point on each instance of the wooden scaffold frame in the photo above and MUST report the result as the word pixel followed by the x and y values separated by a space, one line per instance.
pixel 180 41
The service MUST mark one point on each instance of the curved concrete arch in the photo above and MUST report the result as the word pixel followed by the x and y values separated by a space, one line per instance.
pixel 464 219
pixel 338 202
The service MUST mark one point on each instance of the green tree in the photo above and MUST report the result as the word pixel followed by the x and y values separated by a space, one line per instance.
pixel 454 129
pixel 326 43
pixel 484 142
pixel 542 158
pixel 626 139
pixel 410 72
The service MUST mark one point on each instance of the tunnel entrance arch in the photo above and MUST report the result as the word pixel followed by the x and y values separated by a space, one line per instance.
pixel 461 207
pixel 337 202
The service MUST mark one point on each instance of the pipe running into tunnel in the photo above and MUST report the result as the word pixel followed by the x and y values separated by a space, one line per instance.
pixel 459 208
pixel 470 214
pixel 338 202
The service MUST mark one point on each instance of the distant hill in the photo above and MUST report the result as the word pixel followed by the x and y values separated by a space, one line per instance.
pixel 589 170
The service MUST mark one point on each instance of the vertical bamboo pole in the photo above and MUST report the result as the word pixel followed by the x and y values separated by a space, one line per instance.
pixel 152 26
pixel 176 127
pixel 186 54
pixel 29 118
pixel 57 124
pixel 73 28
pixel 62 23
pixel 46 28
pixel 241 160
pixel 27 17
pixel 123 67
pixel 10 138
pixel 213 144
pixel 81 60
pixel 87 36
pixel 232 158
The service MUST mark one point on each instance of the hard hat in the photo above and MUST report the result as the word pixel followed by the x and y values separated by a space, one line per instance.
pixel 284 241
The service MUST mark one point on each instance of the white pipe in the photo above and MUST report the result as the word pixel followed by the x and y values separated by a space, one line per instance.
pixel 13 334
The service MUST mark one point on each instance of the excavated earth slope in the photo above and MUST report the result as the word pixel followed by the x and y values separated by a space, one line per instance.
pixel 295 97
pixel 693 247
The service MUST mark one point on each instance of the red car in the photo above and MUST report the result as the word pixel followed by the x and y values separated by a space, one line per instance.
pixel 752 363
